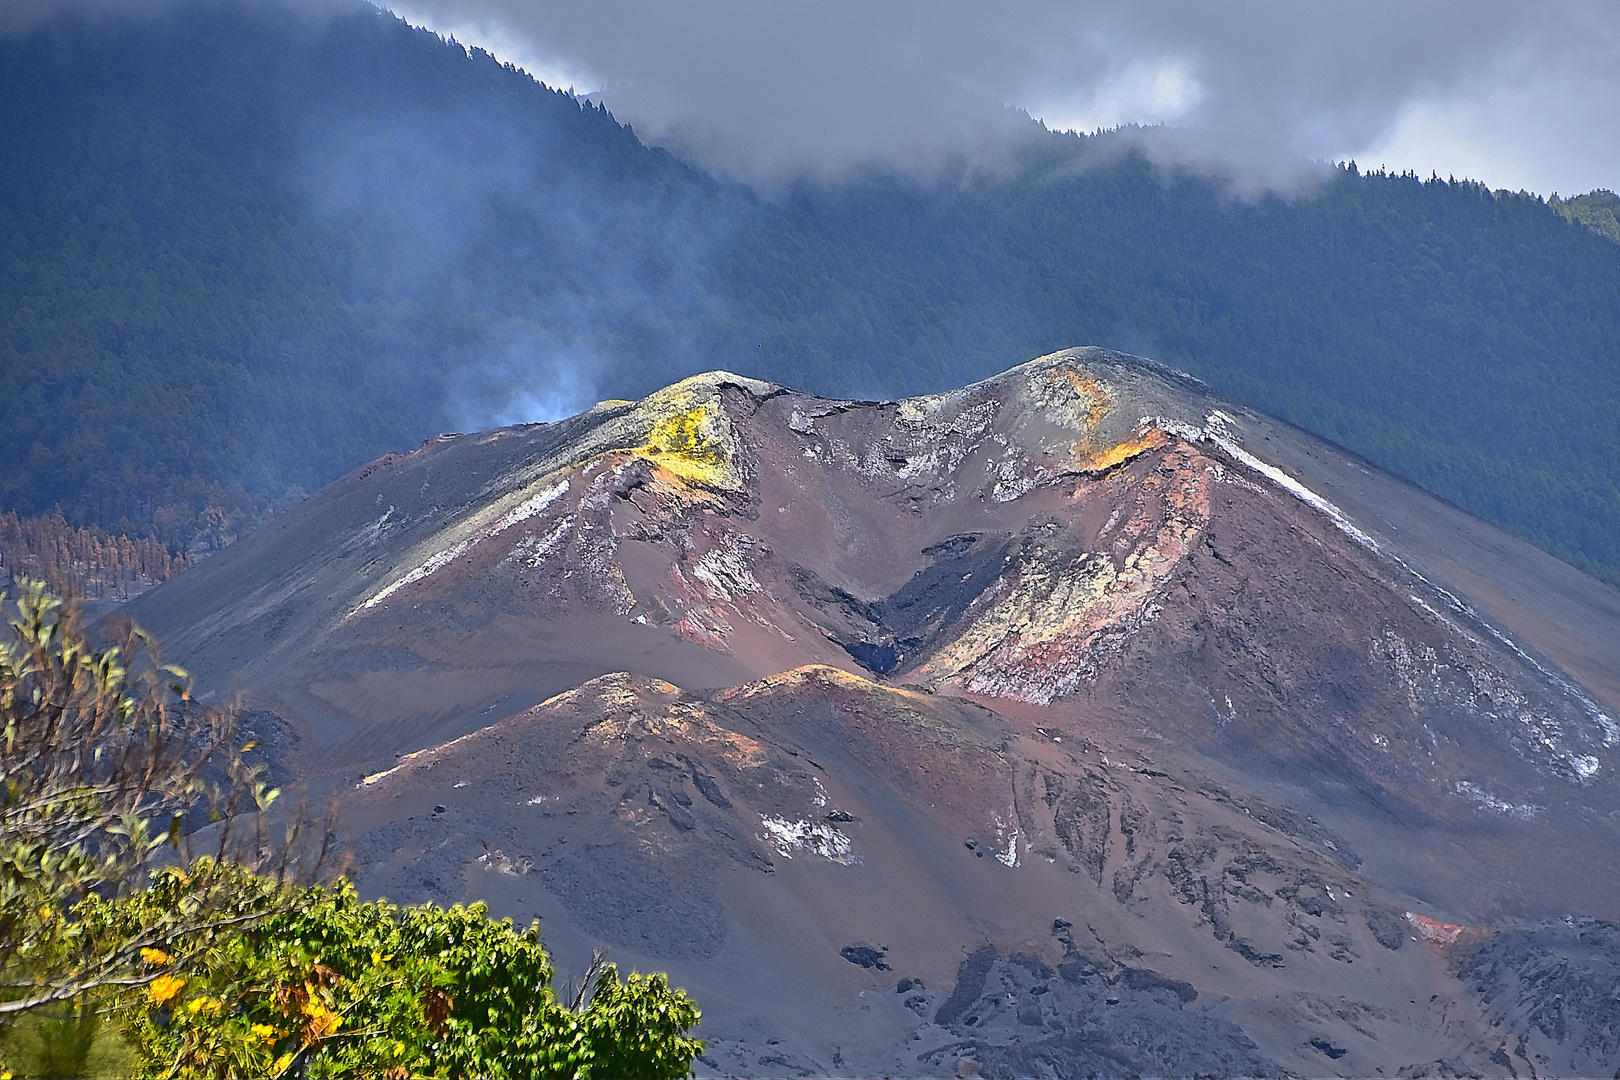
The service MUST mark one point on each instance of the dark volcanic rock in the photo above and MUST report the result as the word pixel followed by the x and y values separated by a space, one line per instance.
pixel 1552 994
pixel 864 956
pixel 1014 1021
pixel 970 978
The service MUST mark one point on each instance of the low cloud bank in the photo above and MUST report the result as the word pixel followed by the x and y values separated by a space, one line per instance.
pixel 768 92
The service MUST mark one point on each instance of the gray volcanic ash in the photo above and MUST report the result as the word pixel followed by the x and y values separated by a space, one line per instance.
pixel 1072 723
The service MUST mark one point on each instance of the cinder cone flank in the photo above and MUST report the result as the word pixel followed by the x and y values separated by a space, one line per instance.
pixel 1075 722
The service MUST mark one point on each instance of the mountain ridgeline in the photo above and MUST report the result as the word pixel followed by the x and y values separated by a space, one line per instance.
pixel 243 251
pixel 1076 722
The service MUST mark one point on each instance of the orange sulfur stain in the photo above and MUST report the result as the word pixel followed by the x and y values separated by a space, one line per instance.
pixel 1103 460
pixel 1443 937
pixel 1090 389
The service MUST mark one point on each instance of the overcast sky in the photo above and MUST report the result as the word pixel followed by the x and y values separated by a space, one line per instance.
pixel 1520 95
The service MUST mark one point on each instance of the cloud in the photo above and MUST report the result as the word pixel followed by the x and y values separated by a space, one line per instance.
pixel 1536 118
pixel 768 91
pixel 1515 94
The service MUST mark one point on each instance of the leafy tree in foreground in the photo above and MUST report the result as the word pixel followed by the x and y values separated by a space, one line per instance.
pixel 335 987
pixel 108 770
pixel 231 963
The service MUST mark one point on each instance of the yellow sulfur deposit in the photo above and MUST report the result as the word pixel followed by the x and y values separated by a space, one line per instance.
pixel 691 436
pixel 1092 391
pixel 680 445
pixel 1103 460
pixel 1078 400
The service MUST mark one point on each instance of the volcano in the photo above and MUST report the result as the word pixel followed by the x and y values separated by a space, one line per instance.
pixel 1077 722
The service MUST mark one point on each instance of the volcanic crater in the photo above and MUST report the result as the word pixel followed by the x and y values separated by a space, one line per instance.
pixel 1076 722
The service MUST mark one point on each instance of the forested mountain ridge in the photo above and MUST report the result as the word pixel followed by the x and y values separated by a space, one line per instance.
pixel 186 338
pixel 241 253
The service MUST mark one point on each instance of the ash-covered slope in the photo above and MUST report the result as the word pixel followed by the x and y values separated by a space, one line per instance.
pixel 1074 722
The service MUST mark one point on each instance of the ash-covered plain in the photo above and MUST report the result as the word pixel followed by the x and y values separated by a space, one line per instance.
pixel 1074 723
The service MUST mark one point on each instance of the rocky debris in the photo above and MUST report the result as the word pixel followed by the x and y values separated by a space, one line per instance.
pixel 970 979
pixel 499 861
pixel 1551 993
pixel 865 956
pixel 1015 1016
pixel 1386 926
pixel 1326 1047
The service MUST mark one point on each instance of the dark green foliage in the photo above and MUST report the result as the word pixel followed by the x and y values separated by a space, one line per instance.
pixel 334 987
pixel 104 759
pixel 65 1041
pixel 240 254
pixel 1597 210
